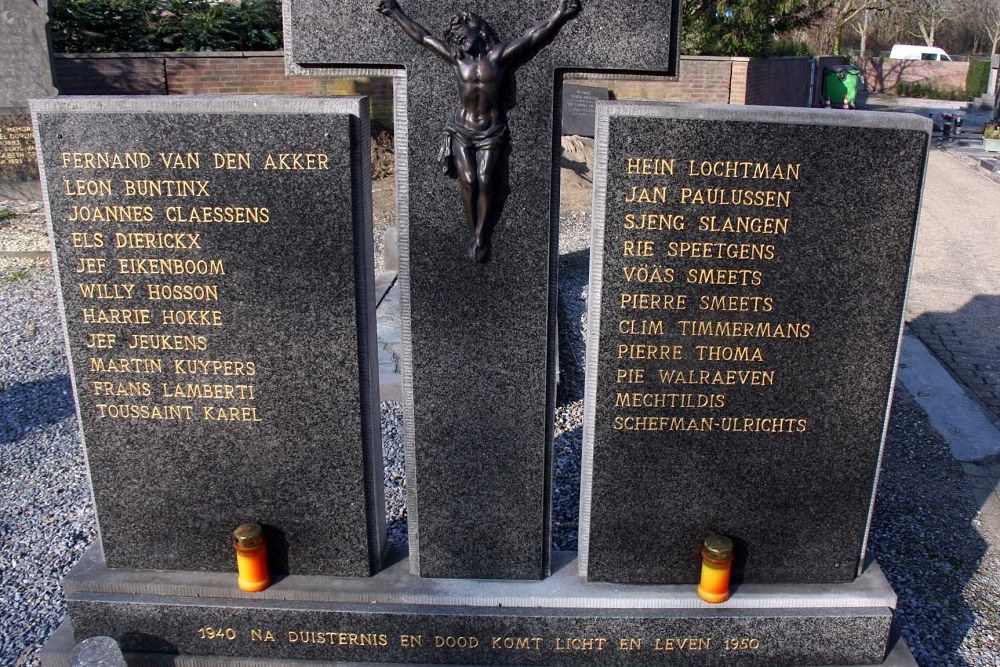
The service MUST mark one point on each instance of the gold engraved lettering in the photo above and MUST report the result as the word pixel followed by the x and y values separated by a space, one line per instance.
pixel 105 160
pixel 411 641
pixel 197 318
pixel 110 213
pixel 673 401
pixel 102 388
pixel 257 635
pixel 726 378
pixel 157 240
pixel 663 423
pixel 157 266
pixel 90 265
pixel 649 166
pixel 516 643
pixel 737 304
pixel 630 376
pixel 709 250
pixel 115 291
pixel 638 248
pixel 630 644
pixel 224 368
pixel 238 215
pixel 641 301
pixel 131 411
pixel 666 352
pixel 455 642
pixel 638 195
pixel 738 277
pixel 582 644
pixel 115 315
pixel 165 188
pixel 728 353
pixel 656 222
pixel 742 225
pixel 180 160
pixel 745 329
pixel 641 327
pixel 229 414
pixel 682 644
pixel 79 187
pixel 232 392
pixel 297 161
pixel 234 161
pixel 125 365
pixel 763 424
pixel 167 342
pixel 735 197
pixel 649 274
pixel 86 239
pixel 99 341
pixel 788 171
pixel 182 292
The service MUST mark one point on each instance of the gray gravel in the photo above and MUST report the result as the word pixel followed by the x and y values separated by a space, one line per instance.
pixel 939 558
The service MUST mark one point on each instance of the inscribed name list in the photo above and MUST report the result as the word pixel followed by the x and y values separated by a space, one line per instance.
pixel 211 299
pixel 751 291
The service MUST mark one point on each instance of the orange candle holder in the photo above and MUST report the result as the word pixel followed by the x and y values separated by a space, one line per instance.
pixel 251 558
pixel 716 567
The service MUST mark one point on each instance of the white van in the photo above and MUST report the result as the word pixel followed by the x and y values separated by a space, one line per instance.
pixel 913 52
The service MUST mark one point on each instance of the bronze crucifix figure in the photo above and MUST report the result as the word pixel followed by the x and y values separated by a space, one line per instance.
pixel 475 136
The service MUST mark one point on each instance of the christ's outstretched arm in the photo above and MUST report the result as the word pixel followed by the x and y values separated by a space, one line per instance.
pixel 417 32
pixel 524 47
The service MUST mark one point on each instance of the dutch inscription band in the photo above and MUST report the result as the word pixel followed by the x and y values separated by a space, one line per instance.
pixel 476 136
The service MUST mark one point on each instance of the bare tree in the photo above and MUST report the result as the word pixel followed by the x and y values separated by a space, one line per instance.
pixel 846 12
pixel 990 18
pixel 929 15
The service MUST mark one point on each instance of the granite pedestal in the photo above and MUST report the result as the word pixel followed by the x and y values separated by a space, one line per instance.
pixel 396 617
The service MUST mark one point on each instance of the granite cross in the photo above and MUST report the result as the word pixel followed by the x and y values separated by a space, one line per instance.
pixel 479 340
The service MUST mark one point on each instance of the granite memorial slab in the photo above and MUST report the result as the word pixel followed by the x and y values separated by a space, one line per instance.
pixel 748 273
pixel 478 333
pixel 214 263
pixel 25 73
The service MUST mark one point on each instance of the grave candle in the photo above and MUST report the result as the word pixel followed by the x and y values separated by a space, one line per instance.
pixel 251 559
pixel 716 566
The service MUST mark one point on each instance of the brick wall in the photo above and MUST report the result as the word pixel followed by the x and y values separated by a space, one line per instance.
pixel 704 79
pixel 882 74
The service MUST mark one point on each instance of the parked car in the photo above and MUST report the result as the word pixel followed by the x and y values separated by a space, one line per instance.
pixel 915 52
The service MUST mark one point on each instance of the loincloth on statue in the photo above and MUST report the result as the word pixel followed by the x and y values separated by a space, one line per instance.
pixel 493 137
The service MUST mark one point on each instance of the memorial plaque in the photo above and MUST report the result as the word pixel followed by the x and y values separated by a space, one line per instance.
pixel 214 258
pixel 25 73
pixel 748 273
pixel 579 108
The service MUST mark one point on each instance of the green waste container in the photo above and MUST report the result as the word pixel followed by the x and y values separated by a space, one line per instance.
pixel 839 82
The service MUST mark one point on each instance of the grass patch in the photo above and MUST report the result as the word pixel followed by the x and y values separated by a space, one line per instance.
pixel 930 91
pixel 6 215
pixel 16 276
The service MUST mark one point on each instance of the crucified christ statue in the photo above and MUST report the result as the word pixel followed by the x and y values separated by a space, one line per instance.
pixel 475 136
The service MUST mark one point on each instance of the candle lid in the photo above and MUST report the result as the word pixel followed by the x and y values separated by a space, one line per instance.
pixel 719 547
pixel 248 536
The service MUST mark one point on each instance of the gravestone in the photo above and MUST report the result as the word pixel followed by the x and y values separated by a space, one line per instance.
pixel 214 258
pixel 748 273
pixel 25 73
pixel 579 108
pixel 479 340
